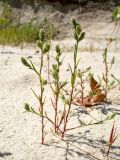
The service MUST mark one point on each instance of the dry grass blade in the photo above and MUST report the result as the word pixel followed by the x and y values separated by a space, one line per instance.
pixel 112 138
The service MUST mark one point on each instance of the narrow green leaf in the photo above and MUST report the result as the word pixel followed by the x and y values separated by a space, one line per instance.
pixel 72 80
pixel 82 36
pixel 44 82
pixel 40 44
pixel 74 23
pixel 35 94
pixel 25 63
pixel 105 54
pixel 70 67
pixel 75 54
pixel 116 14
pixel 63 84
pixel 27 107
pixel 46 47
pixel 75 36
pixel 78 29
pixel 42 35
pixel 78 62
pixel 112 62
pixel 58 50
pixel 111 116
pixel 63 98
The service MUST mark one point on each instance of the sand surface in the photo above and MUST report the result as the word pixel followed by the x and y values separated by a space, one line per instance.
pixel 20 134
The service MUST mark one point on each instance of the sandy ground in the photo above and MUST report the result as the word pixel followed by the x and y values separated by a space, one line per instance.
pixel 20 135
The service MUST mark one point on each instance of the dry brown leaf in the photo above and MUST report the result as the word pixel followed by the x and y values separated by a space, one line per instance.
pixel 94 84
pixel 95 98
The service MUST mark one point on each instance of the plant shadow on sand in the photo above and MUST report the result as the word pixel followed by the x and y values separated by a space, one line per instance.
pixel 72 147
pixel 5 154
pixel 94 144
pixel 104 108
pixel 74 143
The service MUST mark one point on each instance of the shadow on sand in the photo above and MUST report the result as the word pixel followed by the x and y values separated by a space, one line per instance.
pixel 73 142
pixel 5 154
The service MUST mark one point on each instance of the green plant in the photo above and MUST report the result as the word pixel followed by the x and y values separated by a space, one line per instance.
pixel 12 32
pixel 7 11
pixel 50 33
pixel 19 34
pixel 44 47
pixel 106 75
pixel 108 118
pixel 78 35
pixel 108 85
pixel 5 18
pixel 4 23
pixel 57 85
pixel 116 14
pixel 82 79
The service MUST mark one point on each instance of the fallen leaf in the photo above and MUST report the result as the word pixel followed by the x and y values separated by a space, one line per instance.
pixel 95 97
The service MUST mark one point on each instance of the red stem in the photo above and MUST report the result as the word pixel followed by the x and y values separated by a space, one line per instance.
pixel 48 60
pixel 66 119
pixel 53 123
pixel 106 79
pixel 56 114
pixel 108 150
pixel 42 129
pixel 81 84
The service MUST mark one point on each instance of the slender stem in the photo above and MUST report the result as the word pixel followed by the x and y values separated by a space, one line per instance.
pixel 106 78
pixel 57 93
pixel 106 72
pixel 41 97
pixel 56 101
pixel 85 125
pixel 76 94
pixel 66 119
pixel 56 114
pixel 62 117
pixel 82 88
pixel 71 94
pixel 41 64
pixel 108 150
pixel 53 123
pixel 48 66
pixel 42 129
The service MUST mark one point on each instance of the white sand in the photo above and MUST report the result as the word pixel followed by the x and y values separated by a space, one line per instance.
pixel 20 134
